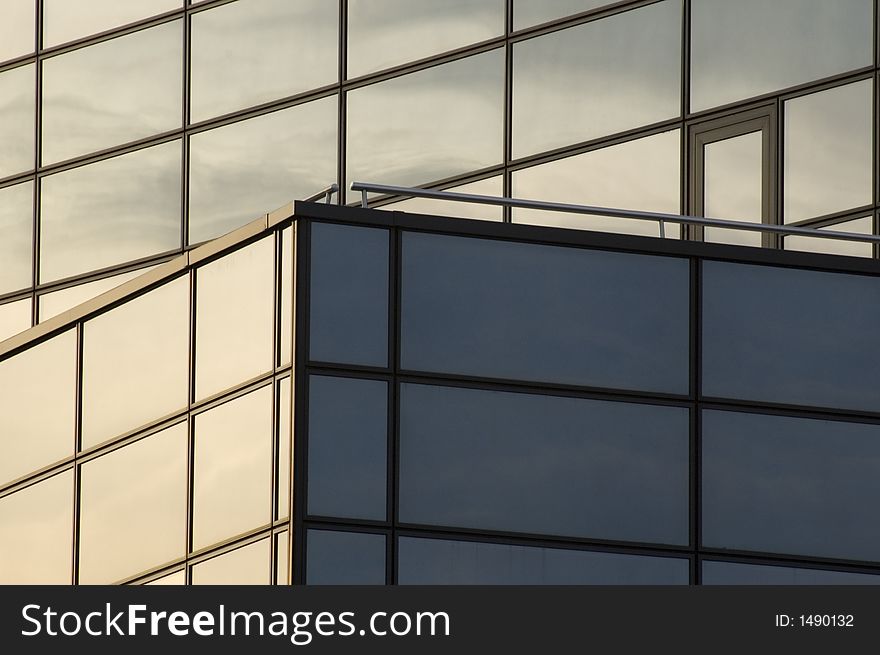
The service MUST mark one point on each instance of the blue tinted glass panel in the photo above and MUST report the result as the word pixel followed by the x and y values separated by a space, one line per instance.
pixel 732 573
pixel 345 558
pixel 349 295
pixel 348 447
pixel 790 336
pixel 544 313
pixel 543 464
pixel 791 485
pixel 437 561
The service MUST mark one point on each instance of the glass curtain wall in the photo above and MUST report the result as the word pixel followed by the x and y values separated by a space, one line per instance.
pixel 214 112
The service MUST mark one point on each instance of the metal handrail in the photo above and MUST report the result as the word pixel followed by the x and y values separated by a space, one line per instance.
pixel 327 194
pixel 659 217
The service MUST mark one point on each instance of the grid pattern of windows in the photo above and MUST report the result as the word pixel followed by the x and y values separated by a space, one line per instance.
pixel 131 131
pixel 479 449
pixel 554 413
pixel 151 438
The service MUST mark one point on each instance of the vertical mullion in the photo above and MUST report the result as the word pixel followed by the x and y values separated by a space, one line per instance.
pixel 695 419
pixel 684 153
pixel 342 102
pixel 275 491
pixel 38 145
pixel 506 181
pixel 185 118
pixel 190 427
pixel 393 433
pixel 77 482
pixel 299 400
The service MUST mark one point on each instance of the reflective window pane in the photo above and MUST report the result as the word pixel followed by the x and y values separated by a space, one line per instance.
pixel 345 558
pixel 497 461
pixel 37 406
pixel 15 317
pixel 64 20
pixel 17 28
pixel 348 312
pixel 428 125
pixel 235 302
pixel 790 485
pixel 285 461
pixel 243 170
pixel 384 33
pixel 735 573
pixel 828 156
pixel 836 246
pixel 58 302
pixel 489 187
pixel 17 106
pixel 110 212
pixel 544 313
pixel 442 562
pixel 348 447
pixel 248 565
pixel 750 47
pixel 286 328
pixel 556 77
pixel 144 72
pixel 36 533
pixel 136 363
pixel 16 236
pixel 733 187
pixel 254 51
pixel 763 341
pixel 642 174
pixel 533 12
pixel 133 512
pixel 232 474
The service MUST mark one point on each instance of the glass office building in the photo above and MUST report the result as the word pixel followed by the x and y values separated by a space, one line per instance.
pixel 337 395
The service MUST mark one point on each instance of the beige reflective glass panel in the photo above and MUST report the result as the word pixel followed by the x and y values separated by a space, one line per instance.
pixel 836 246
pixel 641 175
pixel 235 304
pixel 65 20
pixel 253 51
pixel 16 28
pixel 16 236
pixel 287 257
pixel 281 559
pixel 37 406
pixel 175 579
pixel 532 12
pixel 17 107
pixel 599 78
pixel 15 317
pixel 384 33
pixel 243 170
pixel 492 186
pixel 57 302
pixel 732 182
pixel 232 474
pixel 133 508
pixel 749 47
pixel 428 125
pixel 828 158
pixel 110 212
pixel 135 363
pixel 285 460
pixel 113 92
pixel 36 533
pixel 243 566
